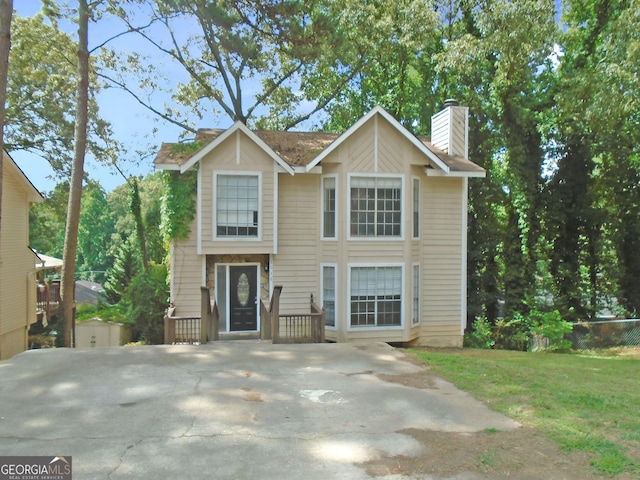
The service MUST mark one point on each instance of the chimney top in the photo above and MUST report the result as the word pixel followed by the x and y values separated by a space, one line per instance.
pixel 450 102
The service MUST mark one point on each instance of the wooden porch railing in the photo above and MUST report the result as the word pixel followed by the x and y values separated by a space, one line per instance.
pixel 192 330
pixel 48 299
pixel 285 328
pixel 291 327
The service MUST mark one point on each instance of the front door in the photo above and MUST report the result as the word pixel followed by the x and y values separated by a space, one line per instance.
pixel 243 292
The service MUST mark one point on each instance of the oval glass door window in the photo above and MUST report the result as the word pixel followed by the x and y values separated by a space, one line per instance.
pixel 243 290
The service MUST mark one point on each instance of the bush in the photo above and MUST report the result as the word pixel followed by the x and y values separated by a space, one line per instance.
pixel 512 334
pixel 551 325
pixel 480 335
pixel 145 301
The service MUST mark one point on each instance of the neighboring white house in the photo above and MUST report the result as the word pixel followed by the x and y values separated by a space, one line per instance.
pixel 372 222
pixel 17 260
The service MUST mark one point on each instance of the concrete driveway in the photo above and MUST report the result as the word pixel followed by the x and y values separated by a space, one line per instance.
pixel 235 409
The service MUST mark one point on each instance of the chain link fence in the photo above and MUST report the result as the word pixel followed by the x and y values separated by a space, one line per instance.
pixel 606 334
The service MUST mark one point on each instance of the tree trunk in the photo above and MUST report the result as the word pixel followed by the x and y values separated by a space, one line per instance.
pixel 6 12
pixel 77 174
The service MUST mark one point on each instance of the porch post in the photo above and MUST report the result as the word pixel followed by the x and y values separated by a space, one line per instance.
pixel 205 315
pixel 275 314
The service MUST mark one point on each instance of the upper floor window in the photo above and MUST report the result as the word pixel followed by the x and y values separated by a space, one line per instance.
pixel 376 206
pixel 416 208
pixel 329 207
pixel 237 205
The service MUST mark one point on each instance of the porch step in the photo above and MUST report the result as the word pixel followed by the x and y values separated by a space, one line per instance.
pixel 239 336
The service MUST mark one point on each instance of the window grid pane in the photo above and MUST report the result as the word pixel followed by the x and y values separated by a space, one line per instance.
pixel 416 208
pixel 329 295
pixel 375 207
pixel 329 207
pixel 376 296
pixel 237 205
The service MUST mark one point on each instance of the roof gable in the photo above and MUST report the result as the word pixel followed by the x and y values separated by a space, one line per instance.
pixel 302 151
pixel 378 110
pixel 237 127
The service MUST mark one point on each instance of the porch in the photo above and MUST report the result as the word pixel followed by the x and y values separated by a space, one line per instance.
pixel 48 303
pixel 307 327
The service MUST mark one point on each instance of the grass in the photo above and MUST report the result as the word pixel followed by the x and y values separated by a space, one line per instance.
pixel 589 403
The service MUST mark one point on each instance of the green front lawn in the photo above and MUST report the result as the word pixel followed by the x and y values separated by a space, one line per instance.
pixel 582 402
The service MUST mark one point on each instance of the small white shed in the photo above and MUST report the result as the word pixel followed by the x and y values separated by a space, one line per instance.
pixel 97 333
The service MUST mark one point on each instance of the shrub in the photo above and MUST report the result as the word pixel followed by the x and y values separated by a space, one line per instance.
pixel 512 334
pixel 552 326
pixel 145 300
pixel 480 335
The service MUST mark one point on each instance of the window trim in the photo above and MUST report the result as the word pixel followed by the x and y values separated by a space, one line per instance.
pixel 214 201
pixel 376 238
pixel 322 204
pixel 336 296
pixel 375 328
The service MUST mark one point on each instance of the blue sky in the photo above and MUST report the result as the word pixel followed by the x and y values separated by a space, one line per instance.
pixel 132 124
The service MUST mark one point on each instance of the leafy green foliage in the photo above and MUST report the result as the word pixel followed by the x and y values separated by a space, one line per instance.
pixel 480 336
pixel 145 301
pixel 41 96
pixel 552 326
pixel 127 264
pixel 107 313
pixel 95 229
pixel 178 204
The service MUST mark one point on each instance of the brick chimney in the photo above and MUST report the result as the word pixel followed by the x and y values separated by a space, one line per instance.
pixel 450 129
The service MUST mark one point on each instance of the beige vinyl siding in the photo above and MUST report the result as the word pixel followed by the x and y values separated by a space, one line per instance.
pixel 448 130
pixel 17 296
pixel 295 267
pixel 393 149
pixel 442 260
pixel 186 275
pixel 252 160
pixel 358 151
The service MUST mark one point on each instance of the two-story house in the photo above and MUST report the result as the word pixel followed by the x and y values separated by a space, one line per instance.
pixel 17 260
pixel 372 222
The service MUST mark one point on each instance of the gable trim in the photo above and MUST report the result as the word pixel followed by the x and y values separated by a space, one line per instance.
pixel 378 110
pixel 237 127
pixel 33 195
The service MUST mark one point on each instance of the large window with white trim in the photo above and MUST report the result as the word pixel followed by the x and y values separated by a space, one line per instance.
pixel 329 207
pixel 376 296
pixel 329 294
pixel 375 206
pixel 237 205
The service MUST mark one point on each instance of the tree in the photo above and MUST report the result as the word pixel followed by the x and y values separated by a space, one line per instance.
pixel 41 96
pixel 126 266
pixel 77 172
pixel 6 12
pixel 95 229
pixel 239 43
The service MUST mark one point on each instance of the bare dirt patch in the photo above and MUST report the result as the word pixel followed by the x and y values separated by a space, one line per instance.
pixel 522 453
